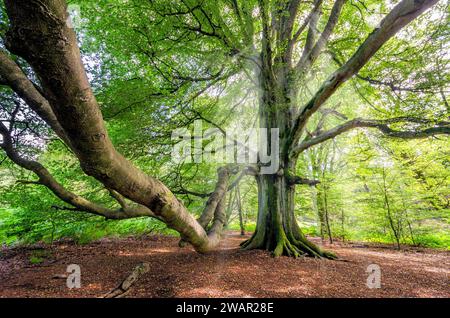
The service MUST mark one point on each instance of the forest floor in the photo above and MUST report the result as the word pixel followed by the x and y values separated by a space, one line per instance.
pixel 39 271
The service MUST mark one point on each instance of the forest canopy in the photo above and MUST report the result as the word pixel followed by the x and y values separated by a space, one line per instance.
pixel 92 92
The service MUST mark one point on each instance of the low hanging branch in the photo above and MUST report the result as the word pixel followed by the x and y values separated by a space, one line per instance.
pixel 383 126
pixel 46 179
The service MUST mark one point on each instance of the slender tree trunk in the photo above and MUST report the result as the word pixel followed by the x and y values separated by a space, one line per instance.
pixel 327 218
pixel 319 197
pixel 408 222
pixel 389 212
pixel 239 207
pixel 229 208
pixel 321 212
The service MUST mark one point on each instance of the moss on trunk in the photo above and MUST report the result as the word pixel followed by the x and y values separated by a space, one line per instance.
pixel 277 229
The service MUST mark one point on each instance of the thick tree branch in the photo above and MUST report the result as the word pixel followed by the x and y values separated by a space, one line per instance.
pixel 301 28
pixel 266 51
pixel 38 33
pixel 119 198
pixel 312 32
pixel 14 77
pixel 46 179
pixel 391 84
pixel 310 54
pixel 382 125
pixel 400 16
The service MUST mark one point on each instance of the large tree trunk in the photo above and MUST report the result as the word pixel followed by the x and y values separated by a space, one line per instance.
pixel 277 229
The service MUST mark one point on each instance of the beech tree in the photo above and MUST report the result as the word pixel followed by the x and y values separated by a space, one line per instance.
pixel 276 44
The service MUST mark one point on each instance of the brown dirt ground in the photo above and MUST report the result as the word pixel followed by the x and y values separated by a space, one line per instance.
pixel 227 272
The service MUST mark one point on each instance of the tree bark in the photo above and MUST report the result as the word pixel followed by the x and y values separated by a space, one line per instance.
pixel 239 208
pixel 321 213
pixel 327 215
pixel 277 229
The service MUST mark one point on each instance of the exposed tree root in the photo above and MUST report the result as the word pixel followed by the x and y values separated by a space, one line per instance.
pixel 291 247
pixel 124 288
